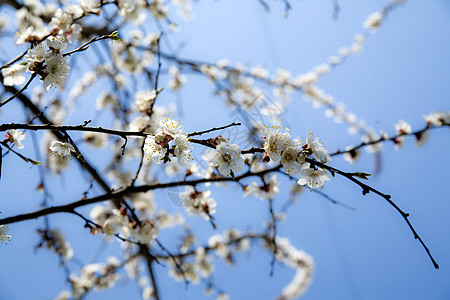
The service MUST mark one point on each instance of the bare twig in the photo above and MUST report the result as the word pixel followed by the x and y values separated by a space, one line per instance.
pixel 14 60
pixel 19 91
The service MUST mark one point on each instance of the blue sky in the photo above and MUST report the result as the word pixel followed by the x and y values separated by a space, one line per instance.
pixel 369 253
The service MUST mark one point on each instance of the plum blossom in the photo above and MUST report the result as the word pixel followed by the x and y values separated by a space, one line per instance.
pixel 61 149
pixel 154 148
pixel 13 75
pixel 35 56
pixel 144 100
pixel 313 178
pixel 57 69
pixel 56 44
pixel 373 21
pixel 438 118
pixel 182 149
pixel 4 237
pixel 275 142
pixel 198 203
pixel 316 146
pixel 170 127
pixel 290 159
pixel 227 157
pixel 16 137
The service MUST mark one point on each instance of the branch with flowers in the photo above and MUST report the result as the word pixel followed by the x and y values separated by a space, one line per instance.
pixel 136 160
pixel 278 147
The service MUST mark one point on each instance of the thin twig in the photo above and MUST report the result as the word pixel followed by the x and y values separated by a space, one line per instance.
pixel 365 190
pixel 14 60
pixel 213 129
pixel 85 46
pixel 33 75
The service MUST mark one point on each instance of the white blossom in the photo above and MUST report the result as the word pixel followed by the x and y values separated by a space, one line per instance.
pixel 177 80
pixel 227 158
pixel 373 21
pixel 438 118
pixel 4 237
pixel 61 149
pixel 12 75
pixel 144 100
pixel 275 142
pixel 16 137
pixel 56 44
pixel 90 6
pixel 154 149
pixel 198 203
pixel 36 55
pixel 313 178
pixel 182 149
pixel 316 146
pixel 289 160
pixel 96 139
pixel 57 69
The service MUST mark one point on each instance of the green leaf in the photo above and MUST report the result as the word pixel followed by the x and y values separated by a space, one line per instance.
pixel 115 36
pixel 362 175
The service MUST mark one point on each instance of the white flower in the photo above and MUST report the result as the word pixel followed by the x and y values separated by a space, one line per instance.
pixel 90 6
pixel 16 136
pixel 61 149
pixel 154 150
pixel 132 10
pixel 319 151
pixel 259 72
pixel 97 140
pixel 144 100
pixel 289 160
pixel 13 75
pixel 351 154
pixel 176 80
pixel 228 158
pixel 109 227
pixel 198 203
pixel 35 55
pixel 140 123
pixel 373 21
pixel 182 151
pixel 402 127
pixel 370 138
pixel 275 142
pixel 62 247
pixel 57 69
pixel 3 236
pixel 147 233
pixel 438 118
pixel 314 178
pixel 56 44
pixel 170 127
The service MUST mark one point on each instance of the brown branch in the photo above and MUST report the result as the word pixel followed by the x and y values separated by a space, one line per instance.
pixel 62 128
pixel 68 208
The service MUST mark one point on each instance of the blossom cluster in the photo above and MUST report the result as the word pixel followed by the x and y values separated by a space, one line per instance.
pixel 301 261
pixel 279 147
pixel 157 146
pixel 98 275
pixel 114 221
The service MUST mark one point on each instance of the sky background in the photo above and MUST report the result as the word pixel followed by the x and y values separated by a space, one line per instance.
pixel 369 253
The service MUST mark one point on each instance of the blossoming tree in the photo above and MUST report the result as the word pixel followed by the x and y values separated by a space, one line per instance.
pixel 105 94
